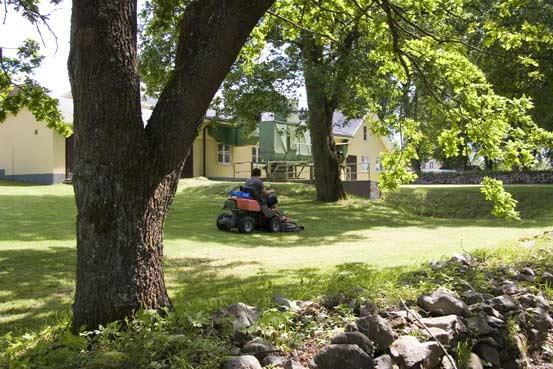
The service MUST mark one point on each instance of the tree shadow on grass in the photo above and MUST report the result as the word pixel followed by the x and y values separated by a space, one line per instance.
pixel 207 284
pixel 9 183
pixel 200 285
pixel 35 286
pixel 37 218
pixel 192 217
pixel 193 214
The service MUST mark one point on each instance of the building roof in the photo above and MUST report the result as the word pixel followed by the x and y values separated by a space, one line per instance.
pixel 65 104
pixel 342 126
pixel 345 127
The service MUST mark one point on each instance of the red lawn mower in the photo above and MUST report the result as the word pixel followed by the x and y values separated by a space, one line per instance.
pixel 246 213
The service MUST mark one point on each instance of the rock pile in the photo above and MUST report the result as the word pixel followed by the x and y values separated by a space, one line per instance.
pixel 473 329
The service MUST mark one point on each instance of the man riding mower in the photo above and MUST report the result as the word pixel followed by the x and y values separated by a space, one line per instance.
pixel 254 207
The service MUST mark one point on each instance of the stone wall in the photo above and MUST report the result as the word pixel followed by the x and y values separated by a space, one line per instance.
pixel 527 177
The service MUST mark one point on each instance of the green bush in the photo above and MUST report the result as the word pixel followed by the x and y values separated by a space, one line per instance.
pixel 147 342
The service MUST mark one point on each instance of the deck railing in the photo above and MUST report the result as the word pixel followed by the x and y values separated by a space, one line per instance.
pixel 299 171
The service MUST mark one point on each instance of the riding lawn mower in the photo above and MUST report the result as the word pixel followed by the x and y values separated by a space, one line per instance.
pixel 246 213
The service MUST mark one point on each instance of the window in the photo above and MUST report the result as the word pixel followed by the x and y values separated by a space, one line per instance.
pixel 378 166
pixel 256 155
pixel 431 165
pixel 365 133
pixel 364 163
pixel 223 154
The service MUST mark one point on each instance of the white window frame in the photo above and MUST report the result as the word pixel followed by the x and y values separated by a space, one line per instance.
pixel 256 157
pixel 378 166
pixel 221 152
pixel 364 162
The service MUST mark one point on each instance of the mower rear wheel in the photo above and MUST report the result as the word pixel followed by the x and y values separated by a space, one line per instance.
pixel 246 225
pixel 274 224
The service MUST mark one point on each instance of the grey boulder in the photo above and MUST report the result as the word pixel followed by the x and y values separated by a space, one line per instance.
pixel 527 300
pixel 410 352
pixel 547 277
pixel 478 325
pixel 397 319
pixel 343 356
pixel 540 319
pixel 383 362
pixel 274 360
pixel 538 323
pixel 472 297
pixel 505 303
pixel 378 330
pixel 443 303
pixel 488 353
pixel 526 274
pixel 285 304
pixel 355 338
pixel 242 362
pixel 439 334
pixel 367 308
pixel 495 322
pixel 293 364
pixel 489 310
pixel 258 348
pixel 509 287
pixel 474 362
pixel 240 316
pixel 331 301
pixel 449 323
pixel 463 260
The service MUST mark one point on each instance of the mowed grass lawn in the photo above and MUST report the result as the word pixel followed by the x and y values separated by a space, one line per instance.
pixel 205 266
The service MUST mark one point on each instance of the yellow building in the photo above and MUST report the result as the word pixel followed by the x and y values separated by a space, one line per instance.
pixel 219 159
pixel 30 152
pixel 363 147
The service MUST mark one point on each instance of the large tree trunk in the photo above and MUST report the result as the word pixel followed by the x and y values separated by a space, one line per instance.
pixel 126 176
pixel 328 184
pixel 416 164
pixel 321 109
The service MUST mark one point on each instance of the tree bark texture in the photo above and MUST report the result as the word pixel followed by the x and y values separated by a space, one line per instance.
pixel 125 175
pixel 321 110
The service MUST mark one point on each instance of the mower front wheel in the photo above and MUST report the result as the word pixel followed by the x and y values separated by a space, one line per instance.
pixel 274 224
pixel 221 224
pixel 246 225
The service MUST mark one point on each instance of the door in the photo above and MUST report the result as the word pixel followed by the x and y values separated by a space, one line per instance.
pixel 69 156
pixel 351 162
pixel 188 169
